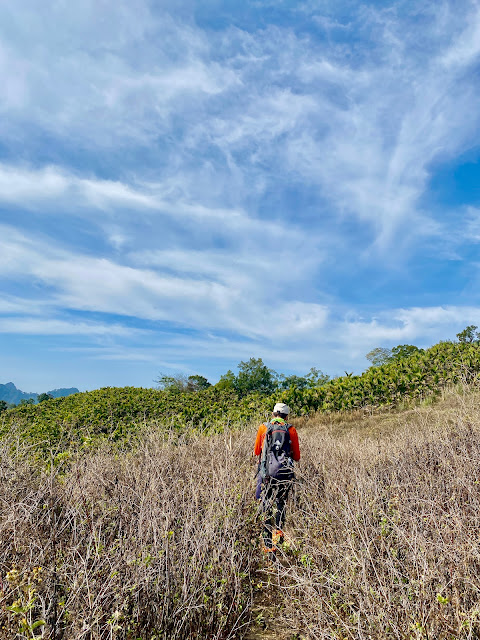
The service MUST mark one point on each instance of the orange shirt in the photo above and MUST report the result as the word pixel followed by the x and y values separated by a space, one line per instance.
pixel 262 430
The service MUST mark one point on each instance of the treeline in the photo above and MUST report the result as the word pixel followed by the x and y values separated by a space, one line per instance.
pixel 253 377
pixel 119 413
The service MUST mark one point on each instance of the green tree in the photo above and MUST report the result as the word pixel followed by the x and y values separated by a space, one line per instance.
pixel 43 397
pixel 379 356
pixel 314 378
pixel 254 375
pixel 300 382
pixel 183 383
pixel 197 383
pixel 404 351
pixel 177 382
pixel 24 401
pixel 469 334
pixel 3 405
pixel 227 381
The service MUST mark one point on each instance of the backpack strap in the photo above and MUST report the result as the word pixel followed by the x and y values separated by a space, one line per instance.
pixel 262 464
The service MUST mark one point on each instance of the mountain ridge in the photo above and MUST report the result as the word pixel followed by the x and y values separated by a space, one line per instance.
pixel 12 395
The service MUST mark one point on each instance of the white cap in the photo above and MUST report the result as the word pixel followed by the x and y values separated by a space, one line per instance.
pixel 281 407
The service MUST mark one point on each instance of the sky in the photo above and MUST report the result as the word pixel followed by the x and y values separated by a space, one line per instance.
pixel 185 185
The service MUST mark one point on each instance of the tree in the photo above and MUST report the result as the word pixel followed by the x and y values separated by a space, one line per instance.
pixel 183 383
pixel 43 397
pixel 254 375
pixel 172 383
pixel 24 401
pixel 197 383
pixel 404 351
pixel 314 378
pixel 227 381
pixel 469 335
pixel 300 382
pixel 3 406
pixel 379 356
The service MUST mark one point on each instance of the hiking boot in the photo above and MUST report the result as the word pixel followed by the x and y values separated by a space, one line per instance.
pixel 278 537
pixel 270 553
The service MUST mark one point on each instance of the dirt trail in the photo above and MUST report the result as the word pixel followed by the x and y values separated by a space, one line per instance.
pixel 266 605
pixel 269 595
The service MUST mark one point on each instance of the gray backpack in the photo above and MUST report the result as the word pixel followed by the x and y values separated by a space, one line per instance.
pixel 276 460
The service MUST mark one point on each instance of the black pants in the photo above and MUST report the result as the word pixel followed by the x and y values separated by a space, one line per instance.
pixel 274 499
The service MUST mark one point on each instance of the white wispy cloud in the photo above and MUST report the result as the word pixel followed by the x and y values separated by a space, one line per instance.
pixel 365 132
pixel 192 298
pixel 170 173
pixel 56 327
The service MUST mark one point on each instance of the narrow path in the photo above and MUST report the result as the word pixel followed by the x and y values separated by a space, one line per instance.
pixel 268 603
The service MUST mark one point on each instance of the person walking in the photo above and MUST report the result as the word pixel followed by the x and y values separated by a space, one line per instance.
pixel 277 447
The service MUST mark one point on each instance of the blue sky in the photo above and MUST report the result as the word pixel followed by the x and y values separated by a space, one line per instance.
pixel 184 185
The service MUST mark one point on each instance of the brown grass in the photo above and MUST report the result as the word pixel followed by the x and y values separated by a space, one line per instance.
pixel 155 544
pixel 387 527
pixel 163 543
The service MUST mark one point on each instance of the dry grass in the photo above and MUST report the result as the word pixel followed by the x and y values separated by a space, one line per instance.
pixel 163 543
pixel 387 527
pixel 155 544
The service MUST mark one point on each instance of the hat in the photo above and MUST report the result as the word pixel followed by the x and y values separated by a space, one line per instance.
pixel 281 407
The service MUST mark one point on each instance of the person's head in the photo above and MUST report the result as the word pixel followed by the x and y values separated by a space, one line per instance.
pixel 281 410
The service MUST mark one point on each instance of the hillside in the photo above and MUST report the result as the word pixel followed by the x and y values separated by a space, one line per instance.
pixel 129 513
pixel 120 413
pixel 163 541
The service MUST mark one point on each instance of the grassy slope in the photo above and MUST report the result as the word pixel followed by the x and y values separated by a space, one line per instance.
pixel 120 413
pixel 385 526
pixel 163 541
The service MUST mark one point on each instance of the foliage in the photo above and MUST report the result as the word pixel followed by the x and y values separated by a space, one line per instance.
pixel 43 397
pixel 382 355
pixel 423 373
pixel 22 592
pixel 163 541
pixel 117 414
pixel 404 351
pixel 255 376
pixel 314 378
pixel 3 405
pixel 181 382
pixel 197 383
pixel 227 381
pixel 379 356
pixel 469 334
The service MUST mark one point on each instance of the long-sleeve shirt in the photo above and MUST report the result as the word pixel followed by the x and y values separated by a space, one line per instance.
pixel 262 430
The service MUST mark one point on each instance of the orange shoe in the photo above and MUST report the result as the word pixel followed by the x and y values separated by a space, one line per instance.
pixel 278 537
pixel 270 552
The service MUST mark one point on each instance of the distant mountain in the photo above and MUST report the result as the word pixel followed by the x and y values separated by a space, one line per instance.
pixel 12 395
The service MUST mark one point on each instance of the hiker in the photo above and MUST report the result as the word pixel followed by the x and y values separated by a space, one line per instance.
pixel 277 446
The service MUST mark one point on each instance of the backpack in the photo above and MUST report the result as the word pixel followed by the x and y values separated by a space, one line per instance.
pixel 276 461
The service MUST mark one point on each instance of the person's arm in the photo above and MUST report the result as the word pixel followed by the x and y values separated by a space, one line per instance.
pixel 257 451
pixel 294 443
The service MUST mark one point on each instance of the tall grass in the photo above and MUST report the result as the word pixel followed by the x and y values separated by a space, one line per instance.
pixel 162 542
pixel 387 528
pixel 151 544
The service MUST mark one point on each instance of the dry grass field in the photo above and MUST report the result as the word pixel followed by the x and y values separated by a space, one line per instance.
pixel 162 542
